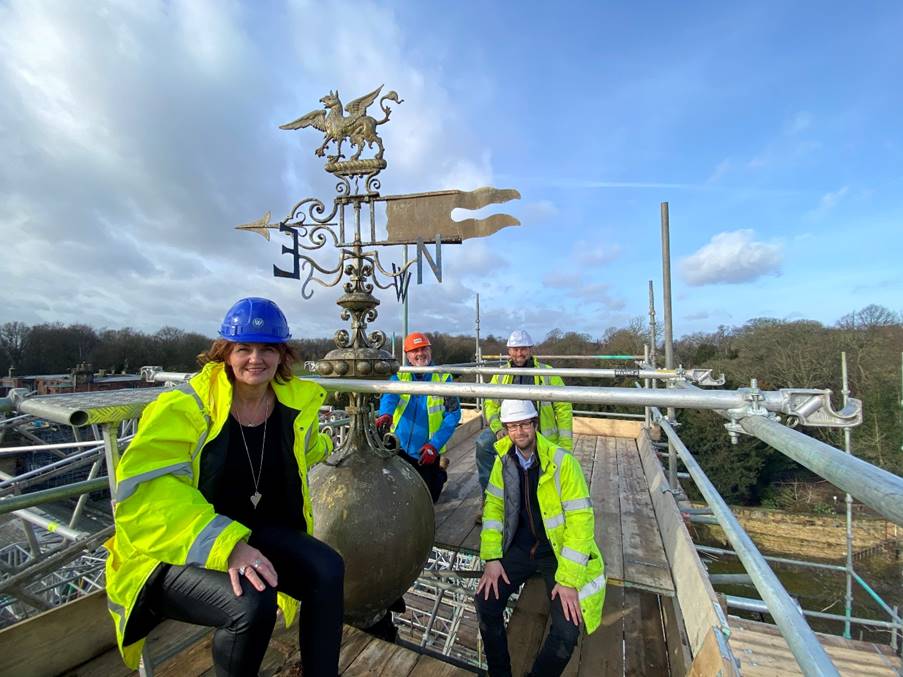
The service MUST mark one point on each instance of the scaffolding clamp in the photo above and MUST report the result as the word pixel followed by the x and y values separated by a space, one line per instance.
pixel 13 398
pixel 813 408
pixel 148 372
pixel 701 377
pixel 754 407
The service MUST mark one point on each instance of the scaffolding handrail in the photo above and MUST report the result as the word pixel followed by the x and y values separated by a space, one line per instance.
pixel 703 376
pixel 626 358
pixel 54 494
pixel 808 651
pixel 811 406
pixel 879 489
pixel 896 619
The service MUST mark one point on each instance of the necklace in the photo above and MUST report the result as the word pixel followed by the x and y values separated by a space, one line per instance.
pixel 255 477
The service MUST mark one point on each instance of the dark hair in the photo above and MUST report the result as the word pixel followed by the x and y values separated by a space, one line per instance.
pixel 220 350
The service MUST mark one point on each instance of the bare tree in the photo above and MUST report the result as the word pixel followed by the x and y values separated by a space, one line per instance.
pixel 14 341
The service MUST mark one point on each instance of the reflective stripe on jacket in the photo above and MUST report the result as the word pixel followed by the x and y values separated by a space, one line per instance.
pixel 160 514
pixel 435 406
pixel 567 516
pixel 555 418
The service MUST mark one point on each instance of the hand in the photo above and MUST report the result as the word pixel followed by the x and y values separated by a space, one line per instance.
pixel 570 602
pixel 428 454
pixel 383 423
pixel 490 578
pixel 250 563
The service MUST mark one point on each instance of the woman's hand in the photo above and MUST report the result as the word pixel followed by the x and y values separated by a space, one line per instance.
pixel 250 563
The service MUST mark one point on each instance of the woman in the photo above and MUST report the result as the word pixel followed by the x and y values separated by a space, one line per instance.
pixel 212 508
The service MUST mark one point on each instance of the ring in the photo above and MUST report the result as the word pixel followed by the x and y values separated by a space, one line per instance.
pixel 256 563
pixel 241 571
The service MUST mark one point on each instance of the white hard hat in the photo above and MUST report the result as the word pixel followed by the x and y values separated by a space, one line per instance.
pixel 517 410
pixel 519 339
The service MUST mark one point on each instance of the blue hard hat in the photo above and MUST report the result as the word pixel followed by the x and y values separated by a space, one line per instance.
pixel 255 320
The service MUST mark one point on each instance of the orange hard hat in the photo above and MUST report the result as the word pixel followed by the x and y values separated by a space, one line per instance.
pixel 415 340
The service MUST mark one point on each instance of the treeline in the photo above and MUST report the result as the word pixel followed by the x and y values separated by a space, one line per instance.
pixel 778 353
pixel 57 348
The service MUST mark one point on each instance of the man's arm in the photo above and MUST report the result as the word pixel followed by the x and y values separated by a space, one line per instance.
pixel 388 401
pixel 564 418
pixel 493 515
pixel 491 410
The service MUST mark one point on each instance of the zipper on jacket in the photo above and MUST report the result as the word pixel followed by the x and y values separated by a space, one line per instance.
pixel 530 512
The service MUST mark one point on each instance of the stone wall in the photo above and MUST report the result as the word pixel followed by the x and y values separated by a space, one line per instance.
pixel 807 536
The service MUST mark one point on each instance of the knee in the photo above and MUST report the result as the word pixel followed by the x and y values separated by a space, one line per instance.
pixel 564 635
pixel 488 608
pixel 329 569
pixel 485 442
pixel 254 607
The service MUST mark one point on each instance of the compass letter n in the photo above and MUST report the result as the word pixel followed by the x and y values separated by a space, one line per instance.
pixel 435 265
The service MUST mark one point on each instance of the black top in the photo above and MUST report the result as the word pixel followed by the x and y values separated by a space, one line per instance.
pixel 531 532
pixel 281 502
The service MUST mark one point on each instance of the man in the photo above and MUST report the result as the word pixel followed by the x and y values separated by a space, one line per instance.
pixel 422 424
pixel 555 418
pixel 537 518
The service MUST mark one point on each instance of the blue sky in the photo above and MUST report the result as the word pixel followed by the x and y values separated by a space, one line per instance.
pixel 137 135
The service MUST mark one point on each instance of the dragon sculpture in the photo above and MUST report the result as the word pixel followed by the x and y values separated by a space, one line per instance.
pixel 358 127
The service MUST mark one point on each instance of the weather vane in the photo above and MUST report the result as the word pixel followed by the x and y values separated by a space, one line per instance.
pixel 364 479
pixel 415 219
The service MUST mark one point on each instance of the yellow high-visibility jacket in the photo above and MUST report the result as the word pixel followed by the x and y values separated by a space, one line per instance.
pixel 161 515
pixel 567 517
pixel 555 418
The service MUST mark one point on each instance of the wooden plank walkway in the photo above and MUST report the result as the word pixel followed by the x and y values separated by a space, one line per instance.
pixel 77 640
pixel 763 652
pixel 361 654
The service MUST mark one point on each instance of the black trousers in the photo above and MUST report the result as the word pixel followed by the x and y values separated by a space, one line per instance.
pixel 308 569
pixel 434 476
pixel 556 651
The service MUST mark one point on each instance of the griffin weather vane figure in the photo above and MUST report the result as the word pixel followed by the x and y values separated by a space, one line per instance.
pixel 358 127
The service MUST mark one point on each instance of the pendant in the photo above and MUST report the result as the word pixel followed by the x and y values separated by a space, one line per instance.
pixel 255 498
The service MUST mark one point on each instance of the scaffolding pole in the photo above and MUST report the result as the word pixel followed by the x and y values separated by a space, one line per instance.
pixel 848 597
pixel 808 651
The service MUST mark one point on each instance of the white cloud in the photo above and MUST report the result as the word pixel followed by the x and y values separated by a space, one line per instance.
pixel 540 213
pixel 562 279
pixel 136 135
pixel 800 122
pixel 830 200
pixel 732 257
pixel 600 293
pixel 827 203
pixel 722 168
pixel 595 255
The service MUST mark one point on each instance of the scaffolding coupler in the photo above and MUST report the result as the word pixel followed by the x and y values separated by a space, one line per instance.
pixel 810 407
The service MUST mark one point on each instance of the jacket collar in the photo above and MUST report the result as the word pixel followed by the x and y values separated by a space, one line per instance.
pixel 213 386
pixel 544 451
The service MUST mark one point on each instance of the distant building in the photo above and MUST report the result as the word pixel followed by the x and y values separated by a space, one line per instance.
pixel 81 379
